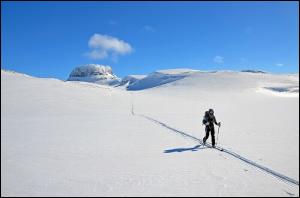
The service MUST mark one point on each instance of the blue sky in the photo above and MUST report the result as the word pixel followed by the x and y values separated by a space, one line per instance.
pixel 49 39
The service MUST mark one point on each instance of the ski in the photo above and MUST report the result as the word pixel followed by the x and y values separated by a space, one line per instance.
pixel 217 148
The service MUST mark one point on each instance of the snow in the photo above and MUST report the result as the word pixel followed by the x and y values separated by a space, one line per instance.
pixel 83 139
pixel 130 79
pixel 178 71
pixel 283 91
pixel 94 73
pixel 159 78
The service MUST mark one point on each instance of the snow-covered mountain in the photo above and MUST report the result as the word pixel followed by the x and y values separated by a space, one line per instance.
pixel 159 78
pixel 94 73
pixel 253 71
pixel 84 139
pixel 131 79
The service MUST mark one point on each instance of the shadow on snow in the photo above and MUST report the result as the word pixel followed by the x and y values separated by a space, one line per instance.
pixel 179 150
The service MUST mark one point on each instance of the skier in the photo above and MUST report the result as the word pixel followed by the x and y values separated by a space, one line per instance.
pixel 209 120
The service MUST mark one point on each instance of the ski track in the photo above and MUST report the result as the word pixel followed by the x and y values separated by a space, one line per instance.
pixel 221 149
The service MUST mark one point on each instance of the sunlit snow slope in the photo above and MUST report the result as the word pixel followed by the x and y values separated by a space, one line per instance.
pixel 82 139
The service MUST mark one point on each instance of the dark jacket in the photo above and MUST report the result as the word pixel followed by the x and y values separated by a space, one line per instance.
pixel 211 119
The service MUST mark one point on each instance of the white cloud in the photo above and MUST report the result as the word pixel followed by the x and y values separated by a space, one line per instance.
pixel 97 54
pixel 149 28
pixel 279 64
pixel 219 59
pixel 109 43
pixel 103 46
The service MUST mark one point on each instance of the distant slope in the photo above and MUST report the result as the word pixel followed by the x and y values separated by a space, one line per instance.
pixel 131 79
pixel 222 81
pixel 253 71
pixel 160 78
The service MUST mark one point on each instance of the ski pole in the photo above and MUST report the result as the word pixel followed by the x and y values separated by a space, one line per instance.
pixel 218 135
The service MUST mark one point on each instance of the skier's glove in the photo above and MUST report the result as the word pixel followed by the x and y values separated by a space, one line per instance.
pixel 219 124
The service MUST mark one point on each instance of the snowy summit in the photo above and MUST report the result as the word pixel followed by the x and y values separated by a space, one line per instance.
pixel 100 74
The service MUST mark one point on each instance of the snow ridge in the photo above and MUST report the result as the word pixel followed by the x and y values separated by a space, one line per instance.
pixel 160 78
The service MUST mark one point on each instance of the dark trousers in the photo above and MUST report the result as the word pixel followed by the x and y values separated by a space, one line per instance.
pixel 210 129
